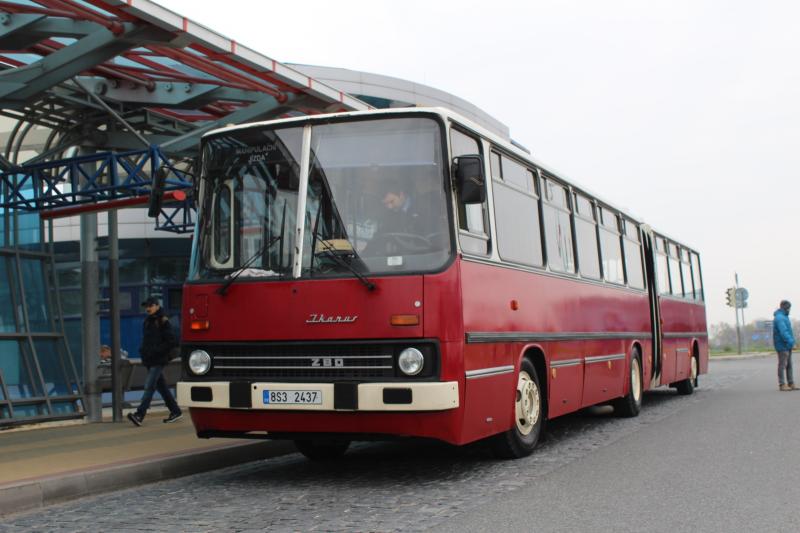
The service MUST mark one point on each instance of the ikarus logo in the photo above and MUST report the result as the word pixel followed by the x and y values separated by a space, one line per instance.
pixel 321 318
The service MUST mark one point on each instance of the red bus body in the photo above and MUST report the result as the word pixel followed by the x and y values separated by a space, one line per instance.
pixel 467 299
pixel 484 317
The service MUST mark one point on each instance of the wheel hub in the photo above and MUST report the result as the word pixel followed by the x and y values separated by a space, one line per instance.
pixel 636 380
pixel 528 403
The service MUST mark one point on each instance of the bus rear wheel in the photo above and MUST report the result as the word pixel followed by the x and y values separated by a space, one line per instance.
pixel 687 386
pixel 322 450
pixel 521 439
pixel 631 404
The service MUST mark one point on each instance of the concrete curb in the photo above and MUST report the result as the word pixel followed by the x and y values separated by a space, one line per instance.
pixel 753 355
pixel 40 492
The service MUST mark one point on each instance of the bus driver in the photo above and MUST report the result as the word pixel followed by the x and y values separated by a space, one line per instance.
pixel 400 227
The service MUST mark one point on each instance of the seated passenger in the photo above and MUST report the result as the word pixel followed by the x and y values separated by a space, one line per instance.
pixel 105 354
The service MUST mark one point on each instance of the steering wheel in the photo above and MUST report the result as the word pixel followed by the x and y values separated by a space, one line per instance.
pixel 409 242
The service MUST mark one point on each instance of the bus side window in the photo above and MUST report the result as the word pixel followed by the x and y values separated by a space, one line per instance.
pixel 633 255
pixel 472 220
pixel 611 247
pixel 516 212
pixel 662 268
pixel 586 237
pixel 675 270
pixel 686 274
pixel 698 280
pixel 557 227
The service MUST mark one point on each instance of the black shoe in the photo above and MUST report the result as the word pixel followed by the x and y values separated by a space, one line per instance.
pixel 172 418
pixel 135 419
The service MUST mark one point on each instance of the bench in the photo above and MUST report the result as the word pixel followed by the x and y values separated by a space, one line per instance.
pixel 133 374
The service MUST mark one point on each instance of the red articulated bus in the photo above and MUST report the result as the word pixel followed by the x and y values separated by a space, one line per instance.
pixel 384 274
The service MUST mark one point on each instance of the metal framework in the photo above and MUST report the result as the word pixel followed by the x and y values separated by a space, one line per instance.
pixel 116 77
pixel 140 57
pixel 97 178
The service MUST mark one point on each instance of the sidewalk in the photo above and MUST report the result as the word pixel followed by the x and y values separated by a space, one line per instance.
pixel 48 464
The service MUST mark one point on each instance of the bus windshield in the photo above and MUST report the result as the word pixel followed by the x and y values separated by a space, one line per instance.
pixel 375 201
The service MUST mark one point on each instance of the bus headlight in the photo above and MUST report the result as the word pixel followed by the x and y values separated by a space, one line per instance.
pixel 411 361
pixel 199 362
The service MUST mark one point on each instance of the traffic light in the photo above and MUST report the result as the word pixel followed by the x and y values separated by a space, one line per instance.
pixel 730 296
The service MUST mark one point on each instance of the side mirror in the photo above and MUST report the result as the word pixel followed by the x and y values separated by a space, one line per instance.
pixel 157 192
pixel 470 180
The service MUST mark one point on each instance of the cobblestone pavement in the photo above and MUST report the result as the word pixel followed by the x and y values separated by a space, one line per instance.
pixel 408 486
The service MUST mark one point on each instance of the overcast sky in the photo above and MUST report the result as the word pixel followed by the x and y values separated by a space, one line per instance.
pixel 686 113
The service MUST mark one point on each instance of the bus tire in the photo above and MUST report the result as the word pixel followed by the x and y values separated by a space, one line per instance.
pixel 521 439
pixel 631 404
pixel 322 450
pixel 686 386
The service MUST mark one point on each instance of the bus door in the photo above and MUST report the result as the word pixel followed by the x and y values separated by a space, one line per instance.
pixel 648 241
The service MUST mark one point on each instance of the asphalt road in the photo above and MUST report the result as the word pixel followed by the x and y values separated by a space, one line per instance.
pixel 728 462
pixel 723 459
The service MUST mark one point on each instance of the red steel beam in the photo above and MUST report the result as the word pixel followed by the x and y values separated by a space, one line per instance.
pixel 118 11
pixel 188 116
pixel 210 67
pixel 177 196
pixel 84 13
pixel 260 74
pixel 177 77
pixel 161 72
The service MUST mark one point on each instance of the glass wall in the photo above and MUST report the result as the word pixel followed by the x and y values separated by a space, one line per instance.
pixel 38 380
pixel 148 267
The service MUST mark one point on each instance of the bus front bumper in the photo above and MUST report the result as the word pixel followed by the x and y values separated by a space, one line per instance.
pixel 437 396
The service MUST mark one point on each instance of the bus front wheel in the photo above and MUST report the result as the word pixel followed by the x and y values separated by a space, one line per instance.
pixel 322 450
pixel 521 439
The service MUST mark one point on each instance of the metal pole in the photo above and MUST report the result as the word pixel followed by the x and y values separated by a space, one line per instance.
pixel 90 323
pixel 744 326
pixel 736 309
pixel 116 345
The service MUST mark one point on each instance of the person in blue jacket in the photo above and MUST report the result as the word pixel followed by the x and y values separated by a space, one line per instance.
pixel 783 340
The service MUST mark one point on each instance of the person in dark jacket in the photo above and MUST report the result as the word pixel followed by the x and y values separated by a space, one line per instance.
pixel 401 213
pixel 783 339
pixel 401 227
pixel 158 340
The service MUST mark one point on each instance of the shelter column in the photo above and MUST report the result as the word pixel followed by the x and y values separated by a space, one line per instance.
pixel 90 322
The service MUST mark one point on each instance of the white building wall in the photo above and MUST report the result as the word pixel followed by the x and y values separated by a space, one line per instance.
pixel 133 223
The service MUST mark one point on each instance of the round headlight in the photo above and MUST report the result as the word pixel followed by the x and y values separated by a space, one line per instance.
pixel 199 362
pixel 411 361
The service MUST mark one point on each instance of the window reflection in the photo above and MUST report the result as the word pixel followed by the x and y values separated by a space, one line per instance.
pixel 53 368
pixel 18 371
pixel 7 322
pixel 35 295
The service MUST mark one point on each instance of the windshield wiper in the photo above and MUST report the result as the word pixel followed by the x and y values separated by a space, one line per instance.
pixel 232 277
pixel 223 289
pixel 332 253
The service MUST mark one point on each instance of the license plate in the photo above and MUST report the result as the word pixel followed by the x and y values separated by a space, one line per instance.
pixel 293 397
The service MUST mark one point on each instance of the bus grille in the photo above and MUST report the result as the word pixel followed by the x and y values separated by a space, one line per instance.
pixel 302 361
